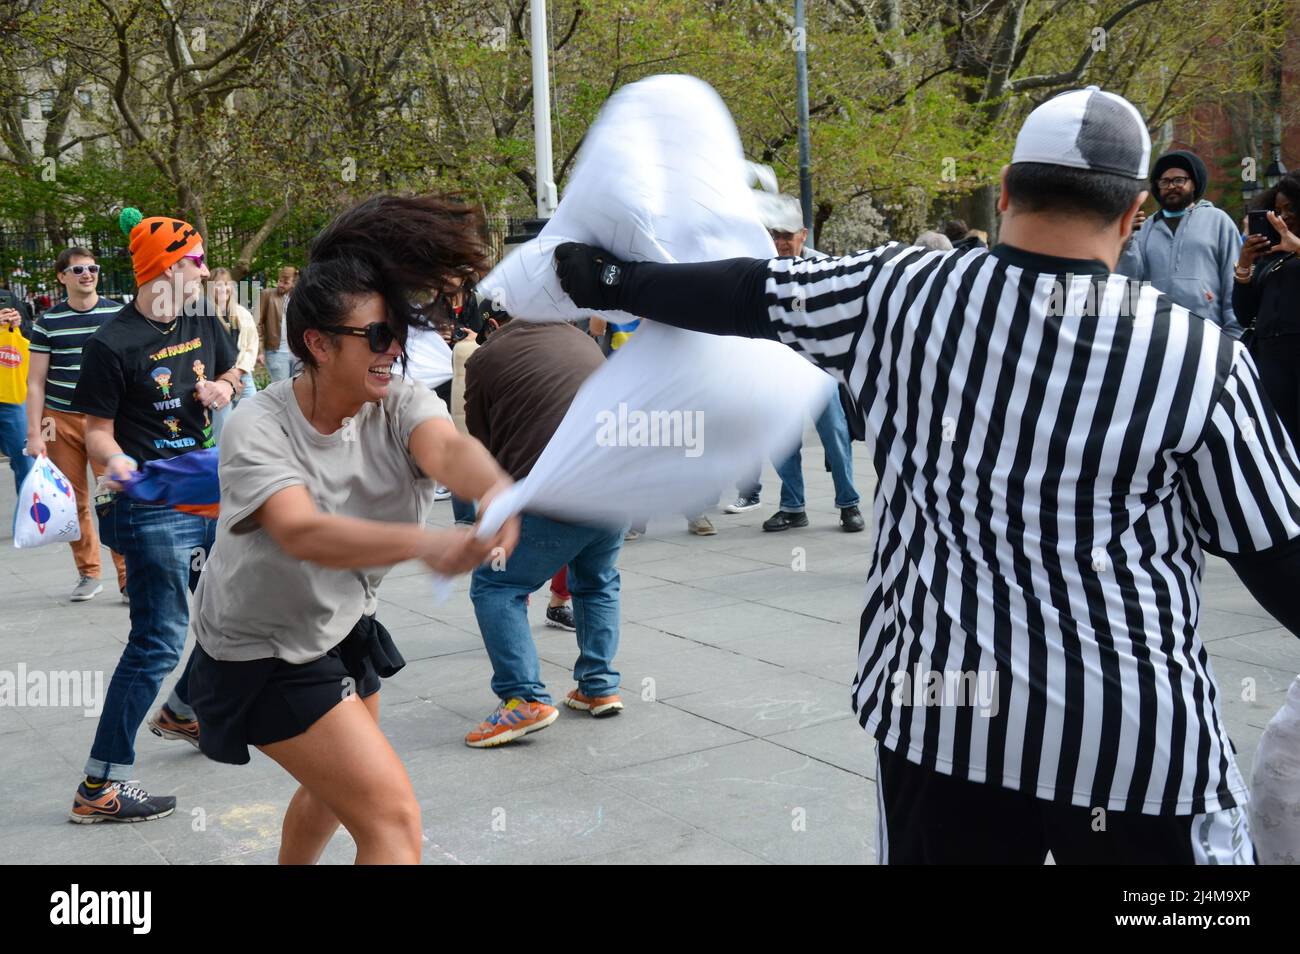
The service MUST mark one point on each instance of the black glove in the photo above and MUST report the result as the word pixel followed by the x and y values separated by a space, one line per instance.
pixel 591 276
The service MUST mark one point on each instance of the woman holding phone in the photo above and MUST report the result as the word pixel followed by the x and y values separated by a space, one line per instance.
pixel 326 480
pixel 1266 296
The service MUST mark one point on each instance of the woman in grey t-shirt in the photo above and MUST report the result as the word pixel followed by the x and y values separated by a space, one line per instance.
pixel 326 479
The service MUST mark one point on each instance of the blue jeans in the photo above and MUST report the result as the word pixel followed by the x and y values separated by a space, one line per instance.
pixel 500 600
pixel 219 416
pixel 833 429
pixel 463 511
pixel 164 551
pixel 13 438
pixel 281 365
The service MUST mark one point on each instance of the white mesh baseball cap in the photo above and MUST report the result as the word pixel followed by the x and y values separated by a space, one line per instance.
pixel 1086 129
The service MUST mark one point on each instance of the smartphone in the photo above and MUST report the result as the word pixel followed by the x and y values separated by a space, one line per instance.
pixel 1258 224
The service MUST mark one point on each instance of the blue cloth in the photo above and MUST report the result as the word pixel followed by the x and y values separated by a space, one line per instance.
pixel 164 552
pixel 220 416
pixel 1193 265
pixel 13 439
pixel 833 429
pixel 500 600
pixel 281 365
pixel 188 483
pixel 463 511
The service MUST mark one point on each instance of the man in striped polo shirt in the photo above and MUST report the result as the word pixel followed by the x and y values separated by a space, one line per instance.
pixel 1057 446
pixel 52 427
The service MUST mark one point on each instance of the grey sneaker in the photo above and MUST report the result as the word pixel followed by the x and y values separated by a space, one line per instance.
pixel 742 505
pixel 701 527
pixel 87 588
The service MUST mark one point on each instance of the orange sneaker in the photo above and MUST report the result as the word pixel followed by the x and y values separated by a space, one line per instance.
pixel 166 725
pixel 598 706
pixel 511 720
pixel 118 802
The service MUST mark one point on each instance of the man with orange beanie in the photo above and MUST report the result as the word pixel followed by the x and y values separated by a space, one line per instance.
pixel 150 379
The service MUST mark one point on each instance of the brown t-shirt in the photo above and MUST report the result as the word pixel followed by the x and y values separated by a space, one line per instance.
pixel 519 385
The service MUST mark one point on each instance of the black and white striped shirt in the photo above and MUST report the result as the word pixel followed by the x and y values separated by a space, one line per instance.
pixel 1055 450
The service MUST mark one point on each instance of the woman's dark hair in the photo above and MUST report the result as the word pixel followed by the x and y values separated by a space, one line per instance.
pixel 1289 186
pixel 1043 187
pixel 409 249
pixel 955 229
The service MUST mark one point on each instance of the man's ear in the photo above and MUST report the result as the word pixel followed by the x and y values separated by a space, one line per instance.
pixel 1126 220
pixel 1004 200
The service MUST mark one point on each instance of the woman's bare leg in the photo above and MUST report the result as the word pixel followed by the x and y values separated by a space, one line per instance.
pixel 309 824
pixel 350 775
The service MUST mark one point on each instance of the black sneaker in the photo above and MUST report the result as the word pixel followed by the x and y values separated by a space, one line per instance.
pixel 561 617
pixel 851 520
pixel 783 520
pixel 118 802
pixel 742 505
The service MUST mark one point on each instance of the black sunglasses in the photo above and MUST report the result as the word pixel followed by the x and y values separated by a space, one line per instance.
pixel 379 335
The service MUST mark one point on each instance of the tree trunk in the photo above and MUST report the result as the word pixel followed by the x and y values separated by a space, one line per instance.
pixel 984 210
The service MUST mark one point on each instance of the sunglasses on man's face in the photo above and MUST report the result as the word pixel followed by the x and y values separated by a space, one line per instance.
pixel 379 335
pixel 79 269
pixel 198 260
pixel 1176 182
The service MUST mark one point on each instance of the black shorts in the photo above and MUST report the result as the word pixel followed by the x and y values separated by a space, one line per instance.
pixel 928 818
pixel 261 701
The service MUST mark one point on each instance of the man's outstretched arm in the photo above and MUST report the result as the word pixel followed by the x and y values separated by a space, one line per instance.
pixel 721 298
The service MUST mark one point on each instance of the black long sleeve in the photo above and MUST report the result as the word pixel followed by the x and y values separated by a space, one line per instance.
pixel 1245 301
pixel 720 298
pixel 1273 578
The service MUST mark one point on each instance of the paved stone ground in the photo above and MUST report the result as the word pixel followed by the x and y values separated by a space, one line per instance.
pixel 737 744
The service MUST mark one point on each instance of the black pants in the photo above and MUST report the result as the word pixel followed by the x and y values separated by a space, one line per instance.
pixel 1278 360
pixel 928 818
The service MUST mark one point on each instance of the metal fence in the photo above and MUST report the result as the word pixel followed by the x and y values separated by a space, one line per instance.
pixel 27 255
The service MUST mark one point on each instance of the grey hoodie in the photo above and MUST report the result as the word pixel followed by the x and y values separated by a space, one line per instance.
pixel 1193 266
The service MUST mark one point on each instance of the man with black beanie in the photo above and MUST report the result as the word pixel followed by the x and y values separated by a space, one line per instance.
pixel 1189 247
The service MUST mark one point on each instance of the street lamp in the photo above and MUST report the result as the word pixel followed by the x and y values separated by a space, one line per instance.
pixel 1275 171
pixel 1249 189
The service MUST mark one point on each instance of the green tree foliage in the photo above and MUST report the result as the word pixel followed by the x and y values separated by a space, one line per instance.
pixel 258 119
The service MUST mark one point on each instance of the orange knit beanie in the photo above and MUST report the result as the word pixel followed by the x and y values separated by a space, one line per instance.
pixel 156 242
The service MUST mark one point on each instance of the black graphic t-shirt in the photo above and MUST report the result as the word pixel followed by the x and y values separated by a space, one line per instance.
pixel 142 374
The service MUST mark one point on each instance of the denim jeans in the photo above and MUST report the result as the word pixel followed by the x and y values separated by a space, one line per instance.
pixel 463 511
pixel 500 600
pixel 219 416
pixel 281 365
pixel 833 429
pixel 13 438
pixel 164 551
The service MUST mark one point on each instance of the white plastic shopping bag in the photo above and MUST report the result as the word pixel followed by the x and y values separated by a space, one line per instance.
pixel 1275 786
pixel 47 508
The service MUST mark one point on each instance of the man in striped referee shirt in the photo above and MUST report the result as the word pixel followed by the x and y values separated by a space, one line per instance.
pixel 1056 448
pixel 53 428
